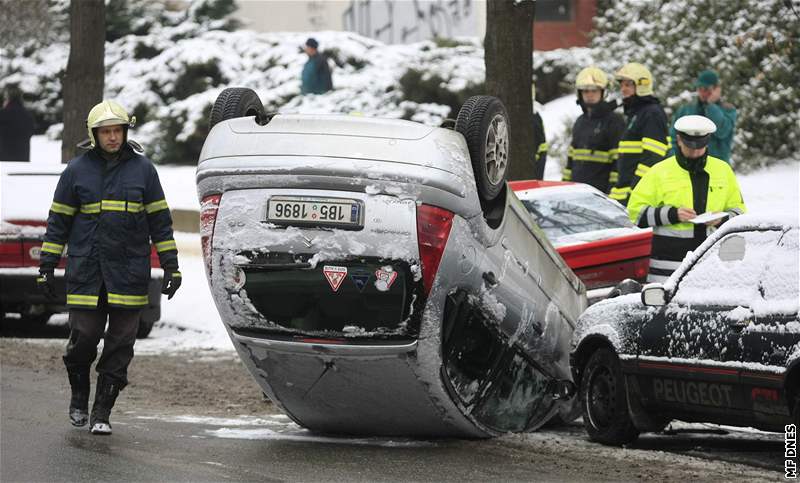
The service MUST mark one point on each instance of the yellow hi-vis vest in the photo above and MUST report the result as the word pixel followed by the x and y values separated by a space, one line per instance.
pixel 668 184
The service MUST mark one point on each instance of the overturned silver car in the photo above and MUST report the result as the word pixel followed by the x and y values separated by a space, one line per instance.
pixel 378 277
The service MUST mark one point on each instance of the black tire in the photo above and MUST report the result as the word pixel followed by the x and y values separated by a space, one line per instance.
pixel 236 102
pixel 36 319
pixel 483 122
pixel 144 328
pixel 603 398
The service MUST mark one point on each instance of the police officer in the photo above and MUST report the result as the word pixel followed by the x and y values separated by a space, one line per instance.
pixel 592 155
pixel 677 190
pixel 108 206
pixel 644 142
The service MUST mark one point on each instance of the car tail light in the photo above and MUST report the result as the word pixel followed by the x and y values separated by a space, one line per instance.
pixel 11 254
pixel 640 269
pixel 433 229
pixel 208 217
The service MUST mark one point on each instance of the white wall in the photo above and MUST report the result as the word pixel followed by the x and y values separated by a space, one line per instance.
pixel 391 21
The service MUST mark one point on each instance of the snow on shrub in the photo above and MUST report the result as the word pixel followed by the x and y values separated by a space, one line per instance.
pixel 753 46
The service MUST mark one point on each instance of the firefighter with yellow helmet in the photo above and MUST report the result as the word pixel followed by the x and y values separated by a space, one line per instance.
pixel 644 142
pixel 108 206
pixel 592 154
pixel 680 188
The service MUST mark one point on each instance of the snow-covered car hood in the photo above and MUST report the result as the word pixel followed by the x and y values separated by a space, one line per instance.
pixel 616 320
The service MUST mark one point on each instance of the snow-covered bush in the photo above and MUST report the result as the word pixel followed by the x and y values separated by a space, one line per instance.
pixel 167 67
pixel 554 71
pixel 753 46
pixel 170 77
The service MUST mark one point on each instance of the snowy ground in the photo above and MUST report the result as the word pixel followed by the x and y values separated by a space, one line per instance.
pixel 190 319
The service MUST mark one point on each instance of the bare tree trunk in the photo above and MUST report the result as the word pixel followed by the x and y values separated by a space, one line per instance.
pixel 82 85
pixel 509 69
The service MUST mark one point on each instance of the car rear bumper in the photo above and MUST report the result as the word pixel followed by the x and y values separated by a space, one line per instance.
pixel 18 290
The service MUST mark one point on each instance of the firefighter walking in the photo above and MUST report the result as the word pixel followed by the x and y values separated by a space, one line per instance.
pixel 592 155
pixel 675 191
pixel 107 207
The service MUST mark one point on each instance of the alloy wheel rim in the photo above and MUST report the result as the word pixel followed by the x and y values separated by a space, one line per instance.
pixel 496 160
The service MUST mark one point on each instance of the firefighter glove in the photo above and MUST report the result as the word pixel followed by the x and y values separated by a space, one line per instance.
pixel 171 283
pixel 45 283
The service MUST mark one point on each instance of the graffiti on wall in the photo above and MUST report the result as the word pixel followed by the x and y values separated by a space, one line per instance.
pixel 403 21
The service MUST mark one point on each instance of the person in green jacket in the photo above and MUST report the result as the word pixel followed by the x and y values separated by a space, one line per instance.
pixel 316 76
pixel 709 104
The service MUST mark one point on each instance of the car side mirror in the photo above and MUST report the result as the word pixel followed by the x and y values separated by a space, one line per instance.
pixel 654 295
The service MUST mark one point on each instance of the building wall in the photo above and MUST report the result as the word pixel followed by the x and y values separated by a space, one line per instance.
pixel 558 34
pixel 390 21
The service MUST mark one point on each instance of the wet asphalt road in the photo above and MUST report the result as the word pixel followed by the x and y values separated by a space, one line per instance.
pixel 37 444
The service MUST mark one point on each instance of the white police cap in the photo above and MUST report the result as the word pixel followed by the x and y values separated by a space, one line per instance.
pixel 695 126
pixel 695 131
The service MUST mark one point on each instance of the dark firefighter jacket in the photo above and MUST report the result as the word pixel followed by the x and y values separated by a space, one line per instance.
pixel 644 143
pixel 540 143
pixel 592 155
pixel 107 213
pixel 707 185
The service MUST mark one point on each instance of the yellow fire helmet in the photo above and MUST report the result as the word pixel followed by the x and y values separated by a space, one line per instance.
pixel 108 113
pixel 638 74
pixel 591 78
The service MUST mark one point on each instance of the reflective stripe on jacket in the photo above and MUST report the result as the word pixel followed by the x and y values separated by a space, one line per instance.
pixel 592 155
pixel 643 144
pixel 108 217
pixel 666 187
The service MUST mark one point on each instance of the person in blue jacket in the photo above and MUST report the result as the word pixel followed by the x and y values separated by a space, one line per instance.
pixel 709 104
pixel 316 76
pixel 108 206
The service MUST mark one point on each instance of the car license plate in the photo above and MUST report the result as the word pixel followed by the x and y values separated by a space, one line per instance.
pixel 340 212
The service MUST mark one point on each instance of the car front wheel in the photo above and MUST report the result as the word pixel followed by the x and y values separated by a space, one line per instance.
pixel 483 122
pixel 236 102
pixel 605 408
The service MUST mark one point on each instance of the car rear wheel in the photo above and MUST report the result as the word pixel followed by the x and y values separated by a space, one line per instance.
pixel 37 319
pixel 483 122
pixel 605 408
pixel 236 102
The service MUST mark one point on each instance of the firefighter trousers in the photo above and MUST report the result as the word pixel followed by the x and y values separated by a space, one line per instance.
pixel 85 331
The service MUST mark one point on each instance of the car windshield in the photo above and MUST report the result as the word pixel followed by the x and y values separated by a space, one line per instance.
pixel 562 215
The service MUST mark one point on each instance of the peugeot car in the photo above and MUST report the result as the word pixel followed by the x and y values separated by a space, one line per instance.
pixel 718 342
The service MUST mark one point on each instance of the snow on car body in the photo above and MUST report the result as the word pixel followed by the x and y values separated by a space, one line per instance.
pixel 590 231
pixel 413 314
pixel 718 342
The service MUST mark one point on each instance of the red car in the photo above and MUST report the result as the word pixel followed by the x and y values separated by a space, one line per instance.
pixel 27 192
pixel 591 232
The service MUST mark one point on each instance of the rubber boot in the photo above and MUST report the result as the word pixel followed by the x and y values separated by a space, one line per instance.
pixel 104 398
pixel 79 402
